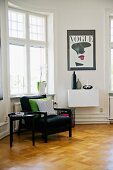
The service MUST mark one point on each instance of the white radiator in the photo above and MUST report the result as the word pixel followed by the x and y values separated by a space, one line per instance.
pixel 17 107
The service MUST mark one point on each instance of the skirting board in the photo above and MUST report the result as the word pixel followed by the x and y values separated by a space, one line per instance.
pixel 4 130
pixel 95 118
pixel 92 122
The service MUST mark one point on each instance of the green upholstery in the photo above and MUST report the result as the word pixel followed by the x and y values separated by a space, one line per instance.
pixel 33 104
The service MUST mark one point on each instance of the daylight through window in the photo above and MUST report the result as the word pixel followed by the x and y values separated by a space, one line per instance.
pixel 27 51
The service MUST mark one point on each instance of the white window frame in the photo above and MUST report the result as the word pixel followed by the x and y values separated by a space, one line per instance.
pixel 109 46
pixel 108 15
pixel 27 42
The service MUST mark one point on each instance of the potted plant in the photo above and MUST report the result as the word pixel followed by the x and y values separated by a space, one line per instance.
pixel 41 85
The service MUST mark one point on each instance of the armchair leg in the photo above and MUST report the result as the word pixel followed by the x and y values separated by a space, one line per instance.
pixel 70 132
pixel 45 128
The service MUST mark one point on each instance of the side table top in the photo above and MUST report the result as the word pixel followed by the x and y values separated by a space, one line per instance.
pixel 20 114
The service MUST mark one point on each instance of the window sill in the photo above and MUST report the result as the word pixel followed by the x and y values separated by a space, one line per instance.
pixel 18 96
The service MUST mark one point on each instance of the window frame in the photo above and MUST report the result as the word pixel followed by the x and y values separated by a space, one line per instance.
pixel 110 48
pixel 28 43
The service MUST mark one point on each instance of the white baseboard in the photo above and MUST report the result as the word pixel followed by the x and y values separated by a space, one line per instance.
pixel 87 118
pixel 4 134
pixel 92 122
pixel 4 129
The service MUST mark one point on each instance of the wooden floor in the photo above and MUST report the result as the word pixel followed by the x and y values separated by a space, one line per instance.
pixel 90 148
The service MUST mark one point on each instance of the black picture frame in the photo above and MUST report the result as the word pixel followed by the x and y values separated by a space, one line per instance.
pixel 81 53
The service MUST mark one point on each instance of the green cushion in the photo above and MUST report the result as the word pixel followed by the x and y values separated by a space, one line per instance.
pixel 34 105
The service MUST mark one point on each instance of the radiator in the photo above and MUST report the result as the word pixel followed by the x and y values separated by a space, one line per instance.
pixel 16 108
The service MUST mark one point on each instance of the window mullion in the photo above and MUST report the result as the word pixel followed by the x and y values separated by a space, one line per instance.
pixel 28 54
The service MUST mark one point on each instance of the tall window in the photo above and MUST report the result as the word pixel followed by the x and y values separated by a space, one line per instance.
pixel 27 51
pixel 111 50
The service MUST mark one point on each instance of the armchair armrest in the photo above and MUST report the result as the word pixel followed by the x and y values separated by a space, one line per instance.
pixel 45 117
pixel 37 112
pixel 64 111
pixel 41 113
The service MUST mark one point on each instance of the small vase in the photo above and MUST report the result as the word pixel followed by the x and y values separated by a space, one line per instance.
pixel 79 85
pixel 41 86
pixel 74 80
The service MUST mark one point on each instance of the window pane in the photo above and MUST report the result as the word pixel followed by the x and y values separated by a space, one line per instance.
pixel 18 80
pixel 37 28
pixel 38 66
pixel 16 24
pixel 111 69
pixel 111 30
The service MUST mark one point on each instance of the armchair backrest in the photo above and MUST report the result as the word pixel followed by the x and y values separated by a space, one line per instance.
pixel 25 105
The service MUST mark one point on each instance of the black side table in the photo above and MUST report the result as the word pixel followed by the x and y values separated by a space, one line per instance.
pixel 19 116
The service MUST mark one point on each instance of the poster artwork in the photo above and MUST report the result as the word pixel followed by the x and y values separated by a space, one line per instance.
pixel 81 50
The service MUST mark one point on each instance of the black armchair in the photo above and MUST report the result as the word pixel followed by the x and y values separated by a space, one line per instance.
pixel 48 124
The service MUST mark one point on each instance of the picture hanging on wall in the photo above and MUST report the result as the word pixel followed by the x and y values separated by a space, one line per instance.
pixel 1 90
pixel 81 50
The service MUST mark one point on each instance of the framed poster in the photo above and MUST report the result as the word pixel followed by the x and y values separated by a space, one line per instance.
pixel 81 50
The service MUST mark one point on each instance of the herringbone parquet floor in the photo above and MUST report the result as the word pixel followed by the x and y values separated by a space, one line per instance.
pixel 90 148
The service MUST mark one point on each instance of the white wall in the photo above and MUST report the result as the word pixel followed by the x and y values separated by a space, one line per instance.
pixel 5 103
pixel 73 14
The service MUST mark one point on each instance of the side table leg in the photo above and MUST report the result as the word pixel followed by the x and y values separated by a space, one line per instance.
pixel 33 131
pixel 11 132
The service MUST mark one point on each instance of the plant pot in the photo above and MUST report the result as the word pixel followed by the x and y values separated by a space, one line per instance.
pixel 41 87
